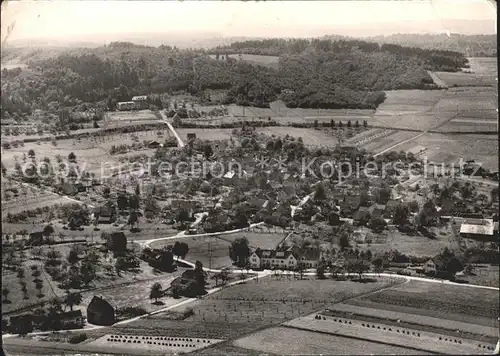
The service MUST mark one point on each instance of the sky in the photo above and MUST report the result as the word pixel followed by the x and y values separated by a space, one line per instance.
pixel 84 19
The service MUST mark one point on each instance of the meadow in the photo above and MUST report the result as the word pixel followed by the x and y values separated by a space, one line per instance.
pixel 272 61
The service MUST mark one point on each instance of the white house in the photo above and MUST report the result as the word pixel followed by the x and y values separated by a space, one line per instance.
pixel 284 258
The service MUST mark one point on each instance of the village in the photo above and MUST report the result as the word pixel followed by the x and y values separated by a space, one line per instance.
pixel 325 195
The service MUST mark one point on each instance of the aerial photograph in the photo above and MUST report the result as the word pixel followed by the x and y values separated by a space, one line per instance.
pixel 249 178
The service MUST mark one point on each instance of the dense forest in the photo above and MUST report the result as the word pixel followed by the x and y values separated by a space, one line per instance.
pixel 311 74
pixel 431 59
pixel 470 45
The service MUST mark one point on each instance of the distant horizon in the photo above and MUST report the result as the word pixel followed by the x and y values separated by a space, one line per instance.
pixel 102 21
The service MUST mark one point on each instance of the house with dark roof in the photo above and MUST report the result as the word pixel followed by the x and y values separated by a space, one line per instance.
pixel 71 320
pixel 100 312
pixel 376 210
pixel 362 216
pixel 105 214
pixel 286 258
pixel 21 324
pixel 349 205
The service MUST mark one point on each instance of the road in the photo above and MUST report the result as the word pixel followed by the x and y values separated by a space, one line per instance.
pixel 165 120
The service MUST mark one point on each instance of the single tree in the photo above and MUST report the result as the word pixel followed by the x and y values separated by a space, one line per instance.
pixel 71 299
pixel 72 157
pixel 343 241
pixel 156 292
pixel 378 264
pixel 320 269
pixel 5 293
pixel 48 230
pixel 239 251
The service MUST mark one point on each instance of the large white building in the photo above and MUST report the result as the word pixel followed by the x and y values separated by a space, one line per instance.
pixel 288 258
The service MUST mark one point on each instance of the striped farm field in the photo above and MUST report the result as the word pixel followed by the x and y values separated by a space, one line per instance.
pixel 469 305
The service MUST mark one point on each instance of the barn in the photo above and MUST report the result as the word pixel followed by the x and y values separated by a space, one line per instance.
pixel 100 312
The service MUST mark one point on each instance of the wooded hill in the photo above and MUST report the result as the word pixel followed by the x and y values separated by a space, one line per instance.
pixel 317 73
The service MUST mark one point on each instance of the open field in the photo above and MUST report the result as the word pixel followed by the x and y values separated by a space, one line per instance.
pixel 449 149
pixel 240 309
pixel 420 109
pixel 320 137
pixel 411 245
pixel 469 305
pixel 158 344
pixel 262 239
pixel 272 61
pixel 461 79
pixel 484 66
pixel 211 251
pixel 206 134
pixel 228 349
pixel 289 341
pixel 367 313
pixel 385 141
pixel 400 334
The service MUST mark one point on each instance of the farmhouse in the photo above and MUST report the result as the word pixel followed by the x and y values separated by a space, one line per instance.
pixel 105 214
pixel 100 312
pixel 480 229
pixel 441 267
pixel 71 319
pixel 191 136
pixel 417 151
pixel 21 324
pixel 284 258
pixel 140 101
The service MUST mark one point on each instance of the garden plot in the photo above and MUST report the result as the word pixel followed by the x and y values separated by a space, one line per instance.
pixel 289 341
pixel 390 334
pixel 154 344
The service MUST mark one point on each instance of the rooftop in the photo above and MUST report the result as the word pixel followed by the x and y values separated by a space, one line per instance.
pixel 477 227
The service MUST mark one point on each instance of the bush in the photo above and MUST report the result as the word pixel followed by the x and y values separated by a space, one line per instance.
pixel 76 339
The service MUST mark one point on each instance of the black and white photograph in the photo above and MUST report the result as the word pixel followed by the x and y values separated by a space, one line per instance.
pixel 236 178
